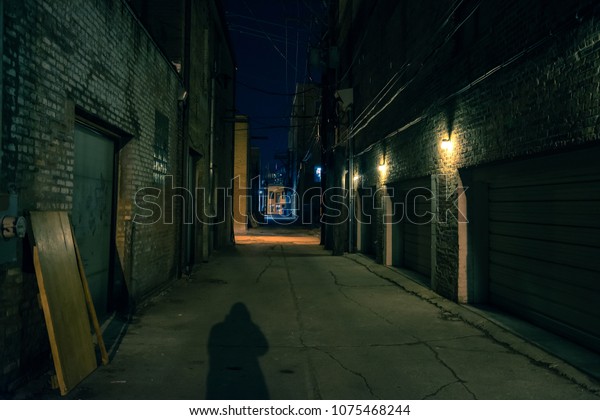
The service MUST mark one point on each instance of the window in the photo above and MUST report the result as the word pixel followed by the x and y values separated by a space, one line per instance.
pixel 161 147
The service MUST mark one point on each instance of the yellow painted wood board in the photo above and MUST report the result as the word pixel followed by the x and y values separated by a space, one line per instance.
pixel 63 299
pixel 90 305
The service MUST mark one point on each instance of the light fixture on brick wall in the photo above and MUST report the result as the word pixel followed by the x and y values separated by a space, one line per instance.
pixel 382 165
pixel 447 143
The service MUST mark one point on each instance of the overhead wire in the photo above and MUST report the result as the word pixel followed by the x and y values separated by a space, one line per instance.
pixel 256 33
pixel 358 49
pixel 315 14
pixel 267 92
pixel 267 35
pixel 360 125
pixel 297 42
pixel 274 127
pixel 287 48
pixel 468 86
pixel 259 20
pixel 377 98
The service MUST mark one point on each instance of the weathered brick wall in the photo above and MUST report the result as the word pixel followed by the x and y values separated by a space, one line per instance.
pixel 64 58
pixel 25 349
pixel 241 171
pixel 211 90
pixel 224 74
pixel 504 80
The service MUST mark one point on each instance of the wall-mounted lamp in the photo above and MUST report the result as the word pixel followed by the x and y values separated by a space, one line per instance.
pixel 382 166
pixel 447 144
pixel 356 177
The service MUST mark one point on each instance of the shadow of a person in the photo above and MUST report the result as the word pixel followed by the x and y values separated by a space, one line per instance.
pixel 234 346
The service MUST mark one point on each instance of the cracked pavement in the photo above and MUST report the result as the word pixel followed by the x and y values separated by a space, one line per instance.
pixel 336 328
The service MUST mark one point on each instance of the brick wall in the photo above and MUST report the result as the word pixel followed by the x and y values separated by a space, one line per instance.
pixel 504 80
pixel 211 97
pixel 224 74
pixel 65 60
pixel 241 182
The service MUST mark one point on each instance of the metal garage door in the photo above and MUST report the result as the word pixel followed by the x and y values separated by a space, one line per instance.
pixel 411 237
pixel 367 220
pixel 93 209
pixel 417 231
pixel 544 243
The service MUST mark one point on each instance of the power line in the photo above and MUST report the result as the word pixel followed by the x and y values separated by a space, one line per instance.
pixel 363 124
pixel 272 127
pixel 261 21
pixel 267 35
pixel 267 92
pixel 305 117
pixel 470 85
pixel 315 14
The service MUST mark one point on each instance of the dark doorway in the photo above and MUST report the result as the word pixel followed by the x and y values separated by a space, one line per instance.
pixel 93 210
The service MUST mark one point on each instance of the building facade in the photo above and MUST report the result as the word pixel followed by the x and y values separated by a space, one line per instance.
pixel 469 150
pixel 305 153
pixel 242 193
pixel 98 121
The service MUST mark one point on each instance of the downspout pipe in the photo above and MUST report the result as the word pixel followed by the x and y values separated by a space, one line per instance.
pixel 1 78
pixel 211 168
pixel 352 181
pixel 185 261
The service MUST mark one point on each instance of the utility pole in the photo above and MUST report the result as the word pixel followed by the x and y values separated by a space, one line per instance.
pixel 330 229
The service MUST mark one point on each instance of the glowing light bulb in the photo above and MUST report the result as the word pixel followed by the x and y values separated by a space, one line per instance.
pixel 447 144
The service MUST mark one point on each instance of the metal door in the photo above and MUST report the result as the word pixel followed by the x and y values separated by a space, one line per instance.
pixel 543 242
pixel 92 214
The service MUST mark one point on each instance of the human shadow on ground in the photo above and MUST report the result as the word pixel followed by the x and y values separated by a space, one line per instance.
pixel 234 346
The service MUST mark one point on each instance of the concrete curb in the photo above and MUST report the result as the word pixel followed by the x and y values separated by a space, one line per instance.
pixel 491 329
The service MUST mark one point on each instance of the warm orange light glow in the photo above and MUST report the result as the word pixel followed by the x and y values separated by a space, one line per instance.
pixel 447 144
pixel 382 165
pixel 274 238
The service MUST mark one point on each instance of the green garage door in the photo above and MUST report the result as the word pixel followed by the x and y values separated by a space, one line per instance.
pixel 411 232
pixel 367 220
pixel 417 230
pixel 544 243
pixel 93 209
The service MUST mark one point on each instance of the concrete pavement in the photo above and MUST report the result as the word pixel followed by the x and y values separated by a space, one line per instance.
pixel 280 318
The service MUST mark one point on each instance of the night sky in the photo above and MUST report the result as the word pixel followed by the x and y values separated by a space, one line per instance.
pixel 271 40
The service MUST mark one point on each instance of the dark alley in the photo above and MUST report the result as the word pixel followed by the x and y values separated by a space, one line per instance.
pixel 277 317
pixel 253 200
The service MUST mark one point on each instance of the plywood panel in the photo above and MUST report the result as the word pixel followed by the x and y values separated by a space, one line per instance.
pixel 62 298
